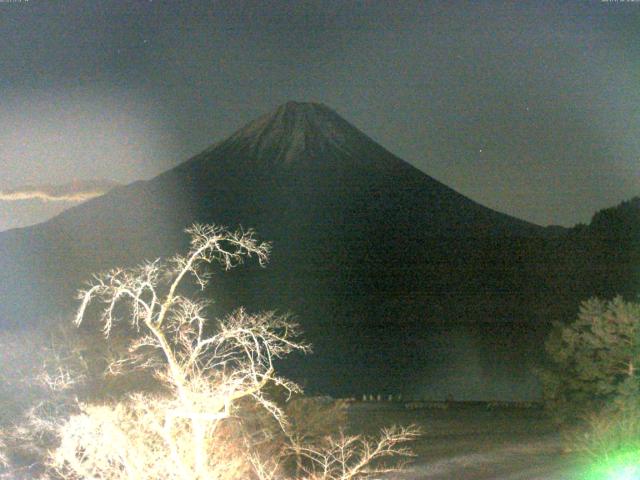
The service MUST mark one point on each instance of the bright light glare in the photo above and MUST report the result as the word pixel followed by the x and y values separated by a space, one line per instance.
pixel 624 466
pixel 631 472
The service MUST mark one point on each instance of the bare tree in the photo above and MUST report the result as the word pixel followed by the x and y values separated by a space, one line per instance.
pixel 350 457
pixel 195 429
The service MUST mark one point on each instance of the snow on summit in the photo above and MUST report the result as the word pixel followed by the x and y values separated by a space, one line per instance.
pixel 299 131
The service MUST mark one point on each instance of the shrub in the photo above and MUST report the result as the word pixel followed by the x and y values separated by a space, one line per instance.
pixel 607 433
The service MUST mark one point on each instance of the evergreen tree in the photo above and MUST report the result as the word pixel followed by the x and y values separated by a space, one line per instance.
pixel 595 361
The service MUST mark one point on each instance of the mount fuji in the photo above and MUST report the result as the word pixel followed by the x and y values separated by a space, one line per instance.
pixel 376 259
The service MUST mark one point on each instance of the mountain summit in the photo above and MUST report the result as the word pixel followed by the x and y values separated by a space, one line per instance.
pixel 303 132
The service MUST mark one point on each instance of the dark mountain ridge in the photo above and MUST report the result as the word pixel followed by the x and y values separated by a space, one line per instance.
pixel 371 254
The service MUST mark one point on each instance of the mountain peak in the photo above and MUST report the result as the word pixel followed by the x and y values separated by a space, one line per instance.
pixel 296 117
pixel 301 108
pixel 300 133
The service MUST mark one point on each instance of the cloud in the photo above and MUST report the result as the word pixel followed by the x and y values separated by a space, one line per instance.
pixel 77 191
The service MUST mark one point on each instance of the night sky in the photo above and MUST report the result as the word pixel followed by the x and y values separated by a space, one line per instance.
pixel 530 108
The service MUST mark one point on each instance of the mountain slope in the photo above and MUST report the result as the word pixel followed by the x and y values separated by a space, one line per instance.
pixel 368 251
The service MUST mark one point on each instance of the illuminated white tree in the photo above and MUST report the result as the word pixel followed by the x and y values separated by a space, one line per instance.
pixel 192 430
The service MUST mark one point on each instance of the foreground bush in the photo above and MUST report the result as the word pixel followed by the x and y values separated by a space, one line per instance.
pixel 607 433
pixel 211 417
pixel 608 442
